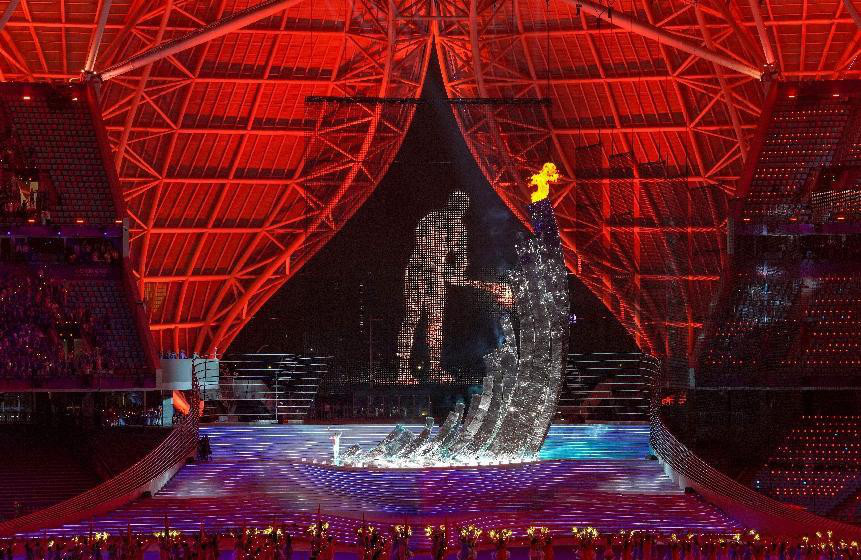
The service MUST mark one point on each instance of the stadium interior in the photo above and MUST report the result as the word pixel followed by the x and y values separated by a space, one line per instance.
pixel 278 279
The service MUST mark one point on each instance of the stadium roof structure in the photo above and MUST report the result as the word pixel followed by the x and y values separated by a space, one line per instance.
pixel 232 181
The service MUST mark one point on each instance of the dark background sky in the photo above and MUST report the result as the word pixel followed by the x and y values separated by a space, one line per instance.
pixel 349 297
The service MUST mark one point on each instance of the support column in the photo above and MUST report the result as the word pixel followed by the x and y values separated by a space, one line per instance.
pixel 724 86
pixel 96 41
pixel 763 32
pixel 7 15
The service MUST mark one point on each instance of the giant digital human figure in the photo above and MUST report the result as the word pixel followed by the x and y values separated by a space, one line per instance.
pixel 439 258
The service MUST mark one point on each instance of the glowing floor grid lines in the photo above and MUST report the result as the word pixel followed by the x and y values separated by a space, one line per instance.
pixel 311 442
pixel 591 475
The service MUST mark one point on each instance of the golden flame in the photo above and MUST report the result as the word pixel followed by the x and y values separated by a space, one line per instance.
pixel 548 174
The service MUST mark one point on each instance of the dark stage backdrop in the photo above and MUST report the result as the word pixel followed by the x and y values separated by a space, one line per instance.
pixel 348 302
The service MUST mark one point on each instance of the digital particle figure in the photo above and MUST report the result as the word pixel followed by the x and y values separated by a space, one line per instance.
pixel 509 420
pixel 439 258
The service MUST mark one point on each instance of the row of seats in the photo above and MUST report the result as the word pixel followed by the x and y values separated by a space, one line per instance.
pixel 837 200
pixel 832 325
pixel 756 322
pixel 55 127
pixel 808 328
pixel 850 151
pixel 817 465
pixel 106 298
pixel 803 137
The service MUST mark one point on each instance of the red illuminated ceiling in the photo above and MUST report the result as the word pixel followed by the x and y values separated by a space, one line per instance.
pixel 224 197
pixel 649 246
pixel 226 200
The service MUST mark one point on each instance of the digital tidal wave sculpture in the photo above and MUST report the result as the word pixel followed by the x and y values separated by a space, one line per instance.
pixel 509 420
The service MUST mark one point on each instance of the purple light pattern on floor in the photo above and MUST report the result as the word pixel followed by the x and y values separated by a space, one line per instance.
pixel 257 478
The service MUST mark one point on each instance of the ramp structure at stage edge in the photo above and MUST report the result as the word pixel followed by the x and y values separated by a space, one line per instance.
pixel 596 475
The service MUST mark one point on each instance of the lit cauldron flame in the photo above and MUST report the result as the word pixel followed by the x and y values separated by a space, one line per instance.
pixel 549 174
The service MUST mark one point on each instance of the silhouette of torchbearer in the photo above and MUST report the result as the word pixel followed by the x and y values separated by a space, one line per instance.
pixel 439 258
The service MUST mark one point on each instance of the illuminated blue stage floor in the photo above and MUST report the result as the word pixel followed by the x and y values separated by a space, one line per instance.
pixel 591 475
pixel 311 442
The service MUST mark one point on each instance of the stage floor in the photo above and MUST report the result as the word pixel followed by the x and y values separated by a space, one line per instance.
pixel 596 475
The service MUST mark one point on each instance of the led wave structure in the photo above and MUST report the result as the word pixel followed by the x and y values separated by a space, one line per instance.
pixel 654 109
pixel 508 421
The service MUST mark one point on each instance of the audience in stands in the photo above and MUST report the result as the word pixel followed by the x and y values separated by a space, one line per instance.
pixel 21 198
pixel 92 251
pixel 59 251
pixel 41 335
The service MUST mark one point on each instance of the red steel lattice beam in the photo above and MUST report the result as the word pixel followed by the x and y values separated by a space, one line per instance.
pixel 623 264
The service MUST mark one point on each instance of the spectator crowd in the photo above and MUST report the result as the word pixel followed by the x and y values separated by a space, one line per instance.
pixel 42 335
pixel 56 250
